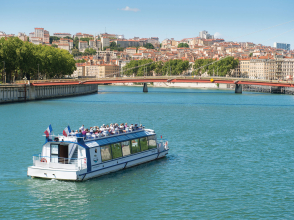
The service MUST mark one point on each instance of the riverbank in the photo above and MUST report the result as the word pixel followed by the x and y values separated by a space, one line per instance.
pixel 25 92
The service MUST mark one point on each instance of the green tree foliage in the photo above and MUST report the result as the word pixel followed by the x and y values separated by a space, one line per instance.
pixel 22 59
pixel 67 37
pixel 113 46
pixel 89 51
pixel 171 67
pixel 81 61
pixel 76 52
pixel 183 45
pixel 54 45
pixel 251 54
pixel 86 39
pixel 221 67
pixel 53 38
pixel 76 43
pixel 149 46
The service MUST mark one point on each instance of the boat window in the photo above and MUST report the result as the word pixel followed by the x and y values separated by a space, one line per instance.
pixel 144 143
pixel 54 153
pixel 135 146
pixel 116 150
pixel 126 148
pixel 105 153
pixel 152 142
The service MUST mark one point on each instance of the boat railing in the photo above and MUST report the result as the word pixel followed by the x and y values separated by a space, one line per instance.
pixel 162 145
pixel 105 134
pixel 60 162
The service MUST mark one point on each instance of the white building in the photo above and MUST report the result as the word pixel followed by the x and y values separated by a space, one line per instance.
pixel 39 32
pixel 83 45
pixel 105 42
pixel 205 35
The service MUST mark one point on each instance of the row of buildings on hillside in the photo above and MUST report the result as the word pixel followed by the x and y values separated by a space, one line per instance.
pixel 269 67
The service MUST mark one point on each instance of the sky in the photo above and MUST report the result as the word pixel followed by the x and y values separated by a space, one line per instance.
pixel 231 20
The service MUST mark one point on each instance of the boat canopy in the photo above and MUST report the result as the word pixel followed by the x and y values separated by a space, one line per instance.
pixel 119 138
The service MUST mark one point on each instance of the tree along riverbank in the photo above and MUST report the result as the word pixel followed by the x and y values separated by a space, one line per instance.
pixel 20 60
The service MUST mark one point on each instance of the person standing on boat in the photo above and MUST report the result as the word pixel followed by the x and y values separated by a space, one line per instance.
pixel 82 128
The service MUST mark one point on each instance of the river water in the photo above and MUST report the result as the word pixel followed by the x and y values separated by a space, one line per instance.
pixel 231 156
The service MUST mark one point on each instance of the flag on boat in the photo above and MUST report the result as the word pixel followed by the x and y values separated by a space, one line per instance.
pixel 66 131
pixel 48 131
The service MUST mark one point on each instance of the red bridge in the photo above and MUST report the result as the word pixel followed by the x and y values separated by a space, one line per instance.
pixel 220 80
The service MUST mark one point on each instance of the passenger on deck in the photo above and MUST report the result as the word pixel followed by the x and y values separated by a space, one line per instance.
pixel 105 132
pixel 84 132
pixel 82 128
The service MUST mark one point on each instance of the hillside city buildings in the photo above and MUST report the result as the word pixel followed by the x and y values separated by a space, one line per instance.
pixel 256 61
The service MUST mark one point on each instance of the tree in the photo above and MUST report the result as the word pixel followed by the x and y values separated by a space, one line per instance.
pixel 86 39
pixel 23 59
pixel 76 43
pixel 76 52
pixel 251 54
pixel 54 45
pixel 89 51
pixel 183 45
pixel 221 67
pixel 67 37
pixel 81 61
pixel 149 46
pixel 53 38
pixel 113 46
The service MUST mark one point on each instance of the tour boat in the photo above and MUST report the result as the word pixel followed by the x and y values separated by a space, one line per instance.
pixel 78 158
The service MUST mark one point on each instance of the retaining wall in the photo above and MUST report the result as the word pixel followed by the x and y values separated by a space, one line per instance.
pixel 20 93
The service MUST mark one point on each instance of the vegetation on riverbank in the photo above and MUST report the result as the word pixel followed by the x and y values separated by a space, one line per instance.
pixel 220 68
pixel 24 59
pixel 140 67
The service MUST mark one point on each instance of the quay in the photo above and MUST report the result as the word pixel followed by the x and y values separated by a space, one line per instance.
pixel 29 92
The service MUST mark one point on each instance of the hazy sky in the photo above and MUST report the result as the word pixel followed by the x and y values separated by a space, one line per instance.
pixel 161 18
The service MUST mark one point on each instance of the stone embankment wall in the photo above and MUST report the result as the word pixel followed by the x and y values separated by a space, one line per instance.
pixel 20 93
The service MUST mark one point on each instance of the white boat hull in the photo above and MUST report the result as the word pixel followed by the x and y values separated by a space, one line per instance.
pixel 97 170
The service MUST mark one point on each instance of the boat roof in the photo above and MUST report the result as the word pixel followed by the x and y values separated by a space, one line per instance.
pixel 118 138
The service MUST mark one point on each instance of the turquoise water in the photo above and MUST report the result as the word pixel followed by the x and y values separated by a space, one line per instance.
pixel 231 156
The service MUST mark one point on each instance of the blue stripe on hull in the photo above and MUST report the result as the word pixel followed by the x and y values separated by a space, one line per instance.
pixel 84 174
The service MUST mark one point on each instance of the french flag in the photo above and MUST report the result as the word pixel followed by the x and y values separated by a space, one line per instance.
pixel 48 131
pixel 66 131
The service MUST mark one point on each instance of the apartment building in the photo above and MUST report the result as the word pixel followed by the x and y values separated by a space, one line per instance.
pixel 131 50
pixel 262 68
pixel 283 46
pixel 22 36
pixel 83 45
pixel 39 32
pixel 105 42
pixel 244 66
pixel 101 70
pixel 288 68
